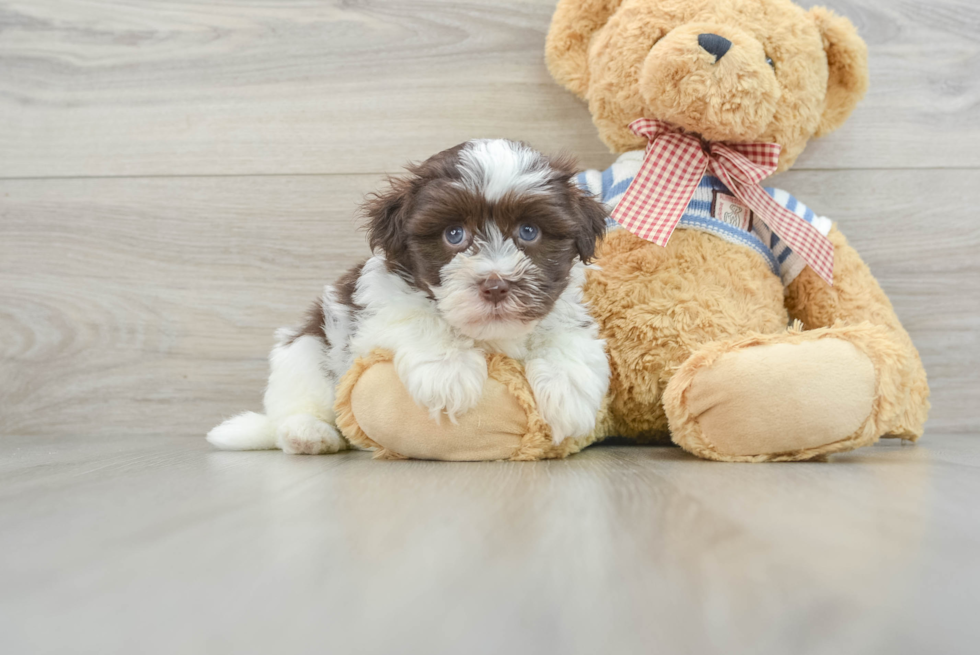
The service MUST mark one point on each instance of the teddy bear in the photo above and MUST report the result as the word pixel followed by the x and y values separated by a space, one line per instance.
pixel 739 323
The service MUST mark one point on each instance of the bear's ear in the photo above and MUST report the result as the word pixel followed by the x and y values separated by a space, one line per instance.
pixel 567 45
pixel 847 60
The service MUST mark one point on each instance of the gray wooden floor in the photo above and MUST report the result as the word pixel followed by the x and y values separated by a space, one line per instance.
pixel 120 544
pixel 178 179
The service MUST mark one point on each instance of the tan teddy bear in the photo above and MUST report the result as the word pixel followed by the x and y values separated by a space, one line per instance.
pixel 697 329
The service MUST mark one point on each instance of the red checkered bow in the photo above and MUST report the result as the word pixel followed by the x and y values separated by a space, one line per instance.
pixel 672 168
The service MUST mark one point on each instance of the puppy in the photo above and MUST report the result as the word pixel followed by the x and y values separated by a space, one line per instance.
pixel 481 248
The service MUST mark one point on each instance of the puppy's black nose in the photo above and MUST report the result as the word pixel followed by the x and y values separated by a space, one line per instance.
pixel 494 289
pixel 716 45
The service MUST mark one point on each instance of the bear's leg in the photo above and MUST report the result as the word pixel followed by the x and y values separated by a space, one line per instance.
pixel 850 378
pixel 375 411
pixel 778 397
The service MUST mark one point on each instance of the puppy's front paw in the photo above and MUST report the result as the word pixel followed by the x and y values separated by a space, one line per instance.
pixel 568 396
pixel 453 383
pixel 304 434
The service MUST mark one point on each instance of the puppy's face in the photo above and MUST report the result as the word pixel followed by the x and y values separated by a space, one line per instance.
pixel 490 229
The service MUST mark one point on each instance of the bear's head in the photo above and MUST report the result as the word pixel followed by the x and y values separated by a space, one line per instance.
pixel 728 70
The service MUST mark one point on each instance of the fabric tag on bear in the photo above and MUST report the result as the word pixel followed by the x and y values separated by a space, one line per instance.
pixel 728 209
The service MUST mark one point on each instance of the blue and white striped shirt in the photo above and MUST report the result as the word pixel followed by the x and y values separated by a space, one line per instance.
pixel 610 185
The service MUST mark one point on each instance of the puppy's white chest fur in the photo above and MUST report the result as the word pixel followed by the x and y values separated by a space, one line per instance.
pixel 513 348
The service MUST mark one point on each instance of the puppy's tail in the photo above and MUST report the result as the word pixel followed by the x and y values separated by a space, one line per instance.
pixel 247 431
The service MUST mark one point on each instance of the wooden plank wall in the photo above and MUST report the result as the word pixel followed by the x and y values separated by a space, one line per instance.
pixel 178 179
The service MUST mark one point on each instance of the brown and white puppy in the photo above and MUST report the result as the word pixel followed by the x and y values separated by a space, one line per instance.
pixel 481 248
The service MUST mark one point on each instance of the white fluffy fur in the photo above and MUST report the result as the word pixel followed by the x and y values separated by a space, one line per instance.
pixel 247 431
pixel 442 368
pixel 298 403
pixel 566 364
pixel 496 167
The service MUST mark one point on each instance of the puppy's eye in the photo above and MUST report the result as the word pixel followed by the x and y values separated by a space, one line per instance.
pixel 454 235
pixel 770 62
pixel 528 232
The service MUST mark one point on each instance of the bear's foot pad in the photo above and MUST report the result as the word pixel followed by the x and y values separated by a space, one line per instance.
pixel 795 399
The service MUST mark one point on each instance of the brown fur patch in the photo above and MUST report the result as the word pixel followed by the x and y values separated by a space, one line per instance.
pixel 315 318
pixel 347 285
pixel 312 325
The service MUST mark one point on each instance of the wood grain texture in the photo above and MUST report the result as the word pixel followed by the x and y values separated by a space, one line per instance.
pixel 141 88
pixel 123 545
pixel 921 109
pixel 149 87
pixel 178 179
pixel 155 300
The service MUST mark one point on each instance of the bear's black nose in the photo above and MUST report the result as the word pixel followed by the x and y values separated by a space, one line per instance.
pixel 716 45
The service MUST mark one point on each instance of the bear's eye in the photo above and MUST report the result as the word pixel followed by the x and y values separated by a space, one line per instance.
pixel 770 62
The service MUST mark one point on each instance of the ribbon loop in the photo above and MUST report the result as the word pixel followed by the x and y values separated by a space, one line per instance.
pixel 671 171
pixel 672 168
pixel 649 129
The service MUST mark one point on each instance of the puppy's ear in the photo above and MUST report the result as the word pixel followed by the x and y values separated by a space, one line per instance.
pixel 590 214
pixel 592 226
pixel 386 212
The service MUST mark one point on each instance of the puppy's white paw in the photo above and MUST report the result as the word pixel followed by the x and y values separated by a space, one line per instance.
pixel 568 397
pixel 452 384
pixel 303 434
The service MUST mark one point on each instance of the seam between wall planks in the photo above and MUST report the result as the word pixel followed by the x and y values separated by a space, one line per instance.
pixel 380 173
